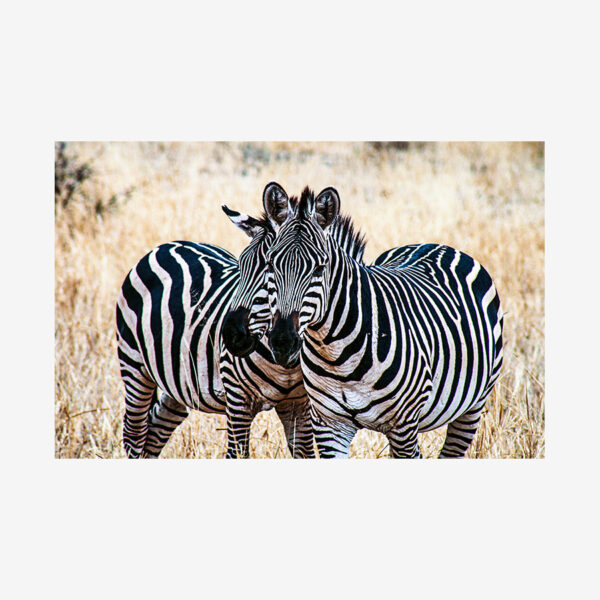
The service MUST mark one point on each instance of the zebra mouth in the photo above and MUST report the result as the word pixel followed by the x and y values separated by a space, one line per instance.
pixel 295 361
pixel 284 361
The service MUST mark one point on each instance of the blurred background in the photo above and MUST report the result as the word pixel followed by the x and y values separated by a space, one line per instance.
pixel 116 201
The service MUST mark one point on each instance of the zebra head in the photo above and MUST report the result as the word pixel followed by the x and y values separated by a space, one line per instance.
pixel 298 266
pixel 249 315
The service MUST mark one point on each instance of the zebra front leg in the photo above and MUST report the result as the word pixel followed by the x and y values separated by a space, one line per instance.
pixel 240 414
pixel 333 438
pixel 461 432
pixel 403 440
pixel 295 418
pixel 165 416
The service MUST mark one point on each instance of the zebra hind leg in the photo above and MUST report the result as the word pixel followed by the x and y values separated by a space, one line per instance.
pixel 295 418
pixel 461 433
pixel 164 418
pixel 140 396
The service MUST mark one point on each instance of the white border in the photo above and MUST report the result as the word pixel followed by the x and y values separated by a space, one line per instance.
pixel 496 529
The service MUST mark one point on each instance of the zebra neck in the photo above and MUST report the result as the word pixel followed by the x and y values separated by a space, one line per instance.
pixel 346 286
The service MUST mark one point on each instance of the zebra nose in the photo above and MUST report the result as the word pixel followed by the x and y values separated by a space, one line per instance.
pixel 284 340
pixel 236 336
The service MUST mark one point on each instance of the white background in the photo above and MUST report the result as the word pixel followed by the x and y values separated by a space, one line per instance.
pixel 303 71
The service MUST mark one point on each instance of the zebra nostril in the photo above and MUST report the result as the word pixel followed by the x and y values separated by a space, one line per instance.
pixel 296 320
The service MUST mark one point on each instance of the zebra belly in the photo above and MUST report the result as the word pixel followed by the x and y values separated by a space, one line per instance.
pixel 203 396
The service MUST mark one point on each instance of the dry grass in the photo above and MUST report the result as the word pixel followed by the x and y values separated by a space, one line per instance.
pixel 484 198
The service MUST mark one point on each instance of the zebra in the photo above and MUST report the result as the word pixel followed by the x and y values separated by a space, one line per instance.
pixel 170 319
pixel 408 344
pixel 250 315
pixel 174 308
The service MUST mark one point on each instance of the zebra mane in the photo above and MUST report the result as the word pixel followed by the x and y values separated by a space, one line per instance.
pixel 308 196
pixel 299 207
pixel 294 203
pixel 350 240
pixel 264 222
pixel 341 230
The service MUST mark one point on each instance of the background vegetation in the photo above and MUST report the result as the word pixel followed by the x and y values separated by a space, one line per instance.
pixel 116 201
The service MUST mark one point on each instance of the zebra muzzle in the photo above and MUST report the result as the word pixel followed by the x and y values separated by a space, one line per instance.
pixel 236 335
pixel 284 340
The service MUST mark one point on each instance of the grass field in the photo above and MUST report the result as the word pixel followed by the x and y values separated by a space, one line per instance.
pixel 486 199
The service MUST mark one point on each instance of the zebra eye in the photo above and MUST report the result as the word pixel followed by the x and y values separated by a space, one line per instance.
pixel 319 270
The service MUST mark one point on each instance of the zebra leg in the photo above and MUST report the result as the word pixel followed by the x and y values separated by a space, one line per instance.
pixel 240 414
pixel 140 395
pixel 295 417
pixel 403 440
pixel 333 439
pixel 461 432
pixel 164 418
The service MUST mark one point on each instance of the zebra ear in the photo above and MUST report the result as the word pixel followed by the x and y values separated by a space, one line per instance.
pixel 249 225
pixel 276 204
pixel 327 207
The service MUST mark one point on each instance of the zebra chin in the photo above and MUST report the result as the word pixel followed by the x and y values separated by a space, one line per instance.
pixel 284 359
pixel 285 342
pixel 236 336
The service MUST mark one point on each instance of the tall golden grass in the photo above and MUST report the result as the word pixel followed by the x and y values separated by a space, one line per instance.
pixel 486 199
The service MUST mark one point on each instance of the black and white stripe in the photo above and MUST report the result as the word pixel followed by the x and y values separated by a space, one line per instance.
pixel 408 344
pixel 239 320
pixel 170 318
pixel 170 314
